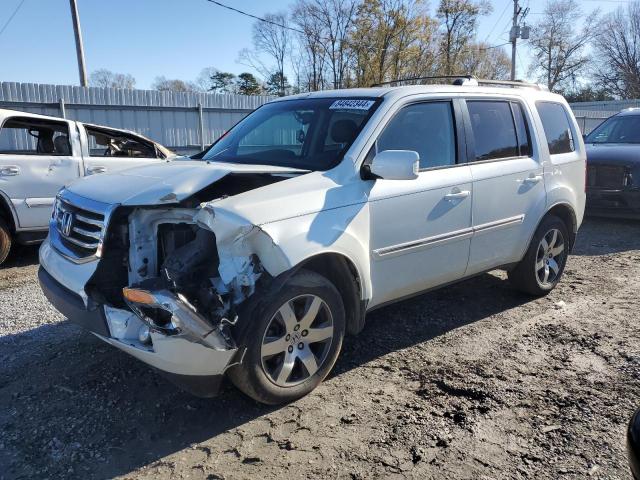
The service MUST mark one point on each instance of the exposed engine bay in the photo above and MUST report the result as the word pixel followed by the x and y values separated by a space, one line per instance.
pixel 168 267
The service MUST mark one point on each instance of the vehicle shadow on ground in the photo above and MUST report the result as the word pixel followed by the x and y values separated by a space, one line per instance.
pixel 86 408
pixel 21 256
pixel 601 236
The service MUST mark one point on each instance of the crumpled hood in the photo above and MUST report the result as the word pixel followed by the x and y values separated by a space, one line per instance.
pixel 162 183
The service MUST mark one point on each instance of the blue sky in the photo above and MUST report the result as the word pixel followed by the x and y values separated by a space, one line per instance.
pixel 174 38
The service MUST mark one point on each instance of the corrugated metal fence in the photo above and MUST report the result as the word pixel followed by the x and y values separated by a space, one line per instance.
pixel 183 122
pixel 592 114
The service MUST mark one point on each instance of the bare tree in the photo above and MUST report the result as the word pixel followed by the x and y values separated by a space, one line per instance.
pixel 271 38
pixel 559 49
pixel 385 33
pixel 309 59
pixel 108 79
pixel 165 84
pixel 330 22
pixel 484 61
pixel 459 20
pixel 617 50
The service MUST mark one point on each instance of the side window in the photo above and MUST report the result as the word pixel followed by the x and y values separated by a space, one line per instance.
pixel 522 129
pixel 30 136
pixel 107 143
pixel 493 128
pixel 556 127
pixel 426 128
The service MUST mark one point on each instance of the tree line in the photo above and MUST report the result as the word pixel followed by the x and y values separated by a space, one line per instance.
pixel 325 44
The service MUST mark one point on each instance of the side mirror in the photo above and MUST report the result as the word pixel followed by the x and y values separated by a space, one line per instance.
pixel 395 165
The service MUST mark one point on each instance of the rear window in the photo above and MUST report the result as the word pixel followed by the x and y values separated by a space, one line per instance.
pixel 107 143
pixel 494 130
pixel 556 127
pixel 34 136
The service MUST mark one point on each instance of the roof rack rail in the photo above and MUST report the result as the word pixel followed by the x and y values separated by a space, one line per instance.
pixel 433 77
pixel 511 83
pixel 466 80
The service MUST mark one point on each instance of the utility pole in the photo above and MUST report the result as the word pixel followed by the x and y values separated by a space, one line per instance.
pixel 517 32
pixel 79 48
pixel 514 38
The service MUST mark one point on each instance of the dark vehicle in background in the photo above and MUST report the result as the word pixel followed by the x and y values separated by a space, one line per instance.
pixel 613 166
pixel 633 444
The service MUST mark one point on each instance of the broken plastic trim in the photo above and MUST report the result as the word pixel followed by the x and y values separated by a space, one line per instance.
pixel 186 321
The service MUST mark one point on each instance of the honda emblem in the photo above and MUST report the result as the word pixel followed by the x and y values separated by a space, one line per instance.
pixel 67 223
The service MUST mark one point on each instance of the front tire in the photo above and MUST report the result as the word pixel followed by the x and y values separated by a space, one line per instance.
pixel 5 241
pixel 293 338
pixel 542 266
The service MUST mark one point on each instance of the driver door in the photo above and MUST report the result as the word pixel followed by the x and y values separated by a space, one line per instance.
pixel 107 150
pixel 421 228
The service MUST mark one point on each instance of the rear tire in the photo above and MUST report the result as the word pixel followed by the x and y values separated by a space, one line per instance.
pixel 542 266
pixel 293 337
pixel 5 241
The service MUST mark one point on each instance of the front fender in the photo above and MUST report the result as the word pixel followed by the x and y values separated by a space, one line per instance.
pixel 282 245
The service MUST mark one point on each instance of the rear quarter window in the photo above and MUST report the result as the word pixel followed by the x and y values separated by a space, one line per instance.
pixel 557 127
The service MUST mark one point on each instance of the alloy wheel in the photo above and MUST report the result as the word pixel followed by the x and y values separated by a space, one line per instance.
pixel 550 257
pixel 297 340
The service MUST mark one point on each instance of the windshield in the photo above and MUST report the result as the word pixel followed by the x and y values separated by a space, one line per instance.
pixel 311 134
pixel 618 129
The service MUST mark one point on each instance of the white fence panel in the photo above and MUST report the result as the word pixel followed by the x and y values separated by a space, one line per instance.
pixel 170 118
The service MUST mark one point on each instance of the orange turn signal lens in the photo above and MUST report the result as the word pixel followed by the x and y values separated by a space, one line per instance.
pixel 138 296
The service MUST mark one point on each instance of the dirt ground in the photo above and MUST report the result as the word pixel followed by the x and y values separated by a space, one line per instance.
pixel 472 381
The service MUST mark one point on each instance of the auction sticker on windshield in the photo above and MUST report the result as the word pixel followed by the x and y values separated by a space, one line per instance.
pixel 352 105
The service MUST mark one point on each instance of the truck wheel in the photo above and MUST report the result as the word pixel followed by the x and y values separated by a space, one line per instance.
pixel 541 268
pixel 292 341
pixel 5 241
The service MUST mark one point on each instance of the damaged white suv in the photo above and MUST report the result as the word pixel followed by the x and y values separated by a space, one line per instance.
pixel 254 260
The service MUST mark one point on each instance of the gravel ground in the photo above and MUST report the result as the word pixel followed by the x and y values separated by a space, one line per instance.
pixel 472 381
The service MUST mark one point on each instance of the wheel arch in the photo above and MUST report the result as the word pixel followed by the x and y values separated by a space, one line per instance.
pixel 345 276
pixel 7 212
pixel 567 214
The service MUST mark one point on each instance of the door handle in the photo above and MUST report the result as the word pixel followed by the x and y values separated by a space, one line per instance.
pixel 10 171
pixel 457 195
pixel 96 169
pixel 532 179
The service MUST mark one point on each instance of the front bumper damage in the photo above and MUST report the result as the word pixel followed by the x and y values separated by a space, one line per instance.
pixel 194 356
pixel 158 324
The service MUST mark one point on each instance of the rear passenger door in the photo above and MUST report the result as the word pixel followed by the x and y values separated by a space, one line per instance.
pixel 508 185
pixel 36 160
pixel 107 150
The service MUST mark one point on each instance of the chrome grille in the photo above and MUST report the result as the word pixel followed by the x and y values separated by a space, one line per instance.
pixel 80 229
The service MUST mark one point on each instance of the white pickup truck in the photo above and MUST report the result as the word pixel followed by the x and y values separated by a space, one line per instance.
pixel 40 154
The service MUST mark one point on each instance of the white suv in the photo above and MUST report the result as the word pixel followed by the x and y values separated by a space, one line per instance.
pixel 315 209
pixel 41 154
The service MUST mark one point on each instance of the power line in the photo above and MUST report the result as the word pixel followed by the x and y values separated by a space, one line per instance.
pixel 261 19
pixel 506 5
pixel 4 27
pixel 494 46
pixel 246 14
